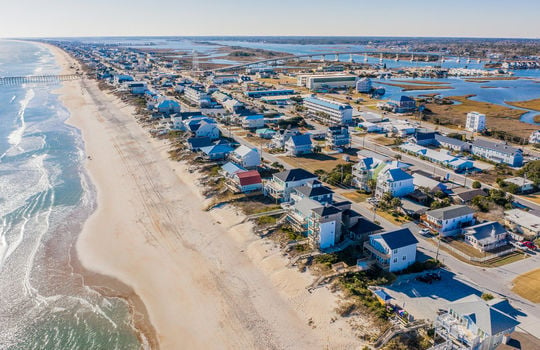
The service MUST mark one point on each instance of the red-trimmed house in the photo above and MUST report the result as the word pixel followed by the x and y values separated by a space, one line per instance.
pixel 247 181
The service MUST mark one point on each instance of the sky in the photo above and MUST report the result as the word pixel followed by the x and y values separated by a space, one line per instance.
pixel 449 18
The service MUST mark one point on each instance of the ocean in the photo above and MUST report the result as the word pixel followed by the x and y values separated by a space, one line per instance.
pixel 45 197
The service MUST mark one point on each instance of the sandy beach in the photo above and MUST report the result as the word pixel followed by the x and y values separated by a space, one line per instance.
pixel 202 279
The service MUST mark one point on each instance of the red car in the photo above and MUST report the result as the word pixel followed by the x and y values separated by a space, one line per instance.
pixel 529 245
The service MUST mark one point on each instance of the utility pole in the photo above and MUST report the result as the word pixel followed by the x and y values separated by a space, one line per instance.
pixel 438 247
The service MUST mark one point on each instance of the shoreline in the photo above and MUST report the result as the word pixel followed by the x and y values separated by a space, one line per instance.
pixel 196 273
pixel 105 285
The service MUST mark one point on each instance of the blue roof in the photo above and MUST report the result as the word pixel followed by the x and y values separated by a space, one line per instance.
pixel 399 238
pixel 399 175
pixel 232 168
pixel 382 294
pixel 198 142
pixel 336 106
pixel 217 149
pixel 265 131
pixel 300 140
pixel 255 117
pixel 169 104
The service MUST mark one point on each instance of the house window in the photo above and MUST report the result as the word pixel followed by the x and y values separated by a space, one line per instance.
pixel 404 257
pixel 395 259
pixel 395 251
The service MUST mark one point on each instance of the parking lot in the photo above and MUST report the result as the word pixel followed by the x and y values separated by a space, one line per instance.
pixel 422 299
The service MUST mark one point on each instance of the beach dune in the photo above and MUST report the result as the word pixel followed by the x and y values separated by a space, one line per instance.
pixel 205 280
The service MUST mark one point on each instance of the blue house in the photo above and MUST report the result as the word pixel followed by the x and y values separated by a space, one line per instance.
pixel 298 145
pixel 168 107
pixel 216 152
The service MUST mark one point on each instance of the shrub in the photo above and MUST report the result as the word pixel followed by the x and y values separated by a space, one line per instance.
pixel 476 184
pixel 487 296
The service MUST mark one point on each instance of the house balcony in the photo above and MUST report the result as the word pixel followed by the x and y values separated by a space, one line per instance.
pixel 273 190
pixel 376 252
pixel 297 223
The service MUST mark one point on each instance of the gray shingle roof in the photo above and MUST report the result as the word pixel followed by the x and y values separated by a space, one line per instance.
pixel 297 174
pixel 486 317
pixel 500 147
pixel 452 212
pixel 326 210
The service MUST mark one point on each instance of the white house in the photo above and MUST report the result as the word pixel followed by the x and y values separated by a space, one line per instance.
pixel 523 223
pixel 298 145
pixel 449 221
pixel 498 152
pixel 246 157
pixel 535 137
pixel 232 105
pixel 203 127
pixel 486 236
pixel 524 185
pixel 247 181
pixel 476 324
pixel 394 181
pixel 283 184
pixel 476 122
pixel 394 250
pixel 253 121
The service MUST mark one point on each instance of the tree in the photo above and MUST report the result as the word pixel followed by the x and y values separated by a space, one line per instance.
pixel 372 184
pixel 531 171
pixel 476 184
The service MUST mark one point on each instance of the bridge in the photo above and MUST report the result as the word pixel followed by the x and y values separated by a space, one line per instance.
pixel 38 79
pixel 413 56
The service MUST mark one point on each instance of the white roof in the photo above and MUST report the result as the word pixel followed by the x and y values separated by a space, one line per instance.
pixel 520 181
pixel 524 219
pixel 243 150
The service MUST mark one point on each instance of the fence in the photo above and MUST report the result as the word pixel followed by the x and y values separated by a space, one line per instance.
pixel 473 258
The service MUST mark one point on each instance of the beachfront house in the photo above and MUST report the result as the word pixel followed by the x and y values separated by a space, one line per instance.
pixel 216 152
pixel 298 144
pixel 449 221
pixel 229 169
pixel 394 181
pixel 476 324
pixel 498 152
pixel 194 144
pixel 245 156
pixel 202 127
pixel 486 236
pixel 314 190
pixel 393 251
pixel 284 183
pixel 523 224
pixel 246 181
pixel 168 107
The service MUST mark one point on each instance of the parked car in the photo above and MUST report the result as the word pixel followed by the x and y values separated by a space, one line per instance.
pixel 424 232
pixel 530 245
pixel 434 276
pixel 424 278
